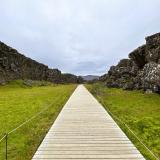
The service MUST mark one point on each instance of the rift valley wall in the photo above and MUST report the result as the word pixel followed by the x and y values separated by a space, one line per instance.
pixel 14 65
pixel 140 71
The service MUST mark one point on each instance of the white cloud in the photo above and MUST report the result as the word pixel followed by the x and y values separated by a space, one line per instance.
pixel 78 36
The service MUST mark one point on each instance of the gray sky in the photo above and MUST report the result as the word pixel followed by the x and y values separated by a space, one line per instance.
pixel 78 36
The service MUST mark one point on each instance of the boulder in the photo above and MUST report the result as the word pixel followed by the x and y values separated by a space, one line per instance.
pixel 150 76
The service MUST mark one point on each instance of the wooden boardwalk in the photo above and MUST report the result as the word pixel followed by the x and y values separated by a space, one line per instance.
pixel 84 130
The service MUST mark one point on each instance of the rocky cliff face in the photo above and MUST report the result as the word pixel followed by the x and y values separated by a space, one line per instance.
pixel 67 78
pixel 14 65
pixel 140 71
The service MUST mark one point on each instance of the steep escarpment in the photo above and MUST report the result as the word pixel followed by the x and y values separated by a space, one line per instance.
pixel 14 65
pixel 140 71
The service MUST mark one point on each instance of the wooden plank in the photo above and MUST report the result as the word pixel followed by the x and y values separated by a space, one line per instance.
pixel 72 156
pixel 109 148
pixel 85 152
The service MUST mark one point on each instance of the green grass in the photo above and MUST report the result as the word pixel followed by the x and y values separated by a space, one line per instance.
pixel 18 103
pixel 141 112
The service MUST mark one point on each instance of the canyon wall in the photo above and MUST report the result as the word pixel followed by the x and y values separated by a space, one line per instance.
pixel 140 71
pixel 14 65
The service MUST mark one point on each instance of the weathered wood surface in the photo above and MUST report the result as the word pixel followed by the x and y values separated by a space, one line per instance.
pixel 84 130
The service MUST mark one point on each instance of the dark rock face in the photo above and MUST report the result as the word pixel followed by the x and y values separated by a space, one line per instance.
pixel 14 65
pixel 70 78
pixel 153 48
pixel 53 75
pixel 139 56
pixel 140 71
pixel 122 75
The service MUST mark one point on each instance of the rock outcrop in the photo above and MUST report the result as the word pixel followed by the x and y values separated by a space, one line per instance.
pixel 140 71
pixel 68 78
pixel 14 65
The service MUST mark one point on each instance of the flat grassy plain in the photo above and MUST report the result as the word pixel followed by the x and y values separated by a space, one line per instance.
pixel 141 112
pixel 18 103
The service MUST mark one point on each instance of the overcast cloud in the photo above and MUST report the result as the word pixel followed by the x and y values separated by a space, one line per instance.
pixel 78 36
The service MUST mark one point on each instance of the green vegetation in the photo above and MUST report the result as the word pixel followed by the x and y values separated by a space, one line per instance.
pixel 18 103
pixel 141 112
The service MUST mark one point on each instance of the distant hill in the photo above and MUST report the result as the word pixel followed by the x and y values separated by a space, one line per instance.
pixel 90 77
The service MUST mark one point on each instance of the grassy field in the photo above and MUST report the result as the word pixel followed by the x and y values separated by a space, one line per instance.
pixel 141 112
pixel 18 103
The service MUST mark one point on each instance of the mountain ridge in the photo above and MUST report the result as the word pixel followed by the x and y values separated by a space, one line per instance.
pixel 90 77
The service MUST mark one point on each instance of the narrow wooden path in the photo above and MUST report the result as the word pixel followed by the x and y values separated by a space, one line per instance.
pixel 84 130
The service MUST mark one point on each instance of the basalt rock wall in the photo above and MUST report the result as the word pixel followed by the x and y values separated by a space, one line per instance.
pixel 140 71
pixel 14 65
